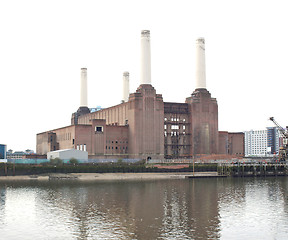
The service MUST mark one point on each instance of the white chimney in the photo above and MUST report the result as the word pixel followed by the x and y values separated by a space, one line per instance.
pixel 200 63
pixel 83 88
pixel 125 87
pixel 145 70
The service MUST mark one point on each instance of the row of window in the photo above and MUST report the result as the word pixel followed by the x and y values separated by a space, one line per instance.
pixel 173 133
pixel 82 147
pixel 173 119
pixel 109 147
pixel 116 141
pixel 175 127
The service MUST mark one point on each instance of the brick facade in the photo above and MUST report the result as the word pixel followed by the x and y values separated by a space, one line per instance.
pixel 146 127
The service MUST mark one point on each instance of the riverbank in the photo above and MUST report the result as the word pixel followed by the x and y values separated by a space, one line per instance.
pixel 121 171
pixel 108 176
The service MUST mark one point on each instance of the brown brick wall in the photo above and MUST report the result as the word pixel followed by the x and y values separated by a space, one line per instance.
pixel 203 114
pixel 65 136
pixel 83 137
pixel 146 126
pixel 116 140
pixel 146 123
pixel 46 142
pixel 236 143
pixel 223 142
pixel 231 143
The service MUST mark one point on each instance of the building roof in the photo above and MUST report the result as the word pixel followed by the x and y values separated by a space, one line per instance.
pixel 66 150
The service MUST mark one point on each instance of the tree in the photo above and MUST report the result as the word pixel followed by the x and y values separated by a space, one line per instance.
pixel 56 161
pixel 73 161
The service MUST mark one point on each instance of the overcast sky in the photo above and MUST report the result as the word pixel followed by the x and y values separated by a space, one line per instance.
pixel 44 44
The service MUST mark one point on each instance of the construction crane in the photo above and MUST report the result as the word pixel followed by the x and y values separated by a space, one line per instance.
pixel 283 151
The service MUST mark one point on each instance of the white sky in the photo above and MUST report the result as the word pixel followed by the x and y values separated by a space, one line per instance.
pixel 43 45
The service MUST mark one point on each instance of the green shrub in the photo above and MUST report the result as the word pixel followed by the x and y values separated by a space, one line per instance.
pixel 73 161
pixel 56 161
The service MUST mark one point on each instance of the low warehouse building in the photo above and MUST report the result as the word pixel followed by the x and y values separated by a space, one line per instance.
pixel 67 154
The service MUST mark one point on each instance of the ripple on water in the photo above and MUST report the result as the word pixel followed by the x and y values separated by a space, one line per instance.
pixel 197 209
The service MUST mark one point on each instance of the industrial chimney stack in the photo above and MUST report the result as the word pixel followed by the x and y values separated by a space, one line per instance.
pixel 200 64
pixel 83 88
pixel 145 77
pixel 83 109
pixel 203 113
pixel 125 87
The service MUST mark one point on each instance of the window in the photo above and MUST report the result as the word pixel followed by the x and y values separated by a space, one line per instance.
pixel 98 129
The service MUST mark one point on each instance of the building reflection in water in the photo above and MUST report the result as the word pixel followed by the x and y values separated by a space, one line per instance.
pixel 137 210
pixel 163 209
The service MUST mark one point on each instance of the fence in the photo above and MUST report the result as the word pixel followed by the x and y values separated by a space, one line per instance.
pixel 40 161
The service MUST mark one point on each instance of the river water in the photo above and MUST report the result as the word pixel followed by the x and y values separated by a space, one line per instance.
pixel 223 208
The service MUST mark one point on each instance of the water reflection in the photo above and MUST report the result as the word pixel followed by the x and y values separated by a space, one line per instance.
pixel 2 204
pixel 174 209
pixel 254 207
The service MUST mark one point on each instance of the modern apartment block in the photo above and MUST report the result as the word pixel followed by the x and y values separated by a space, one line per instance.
pixel 274 140
pixel 262 142
pixel 3 151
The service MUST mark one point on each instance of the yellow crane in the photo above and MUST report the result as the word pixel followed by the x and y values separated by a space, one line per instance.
pixel 283 151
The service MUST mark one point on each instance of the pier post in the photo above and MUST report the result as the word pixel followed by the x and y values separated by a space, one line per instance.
pixel 193 167
pixel 5 169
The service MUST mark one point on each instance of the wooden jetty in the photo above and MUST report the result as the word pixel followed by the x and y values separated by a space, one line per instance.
pixel 253 170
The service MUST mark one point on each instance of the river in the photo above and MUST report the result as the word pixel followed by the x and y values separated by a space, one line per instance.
pixel 216 208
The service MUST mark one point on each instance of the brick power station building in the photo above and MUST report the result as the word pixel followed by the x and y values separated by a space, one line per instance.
pixel 143 126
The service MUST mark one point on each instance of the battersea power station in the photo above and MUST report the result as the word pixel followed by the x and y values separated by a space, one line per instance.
pixel 143 126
